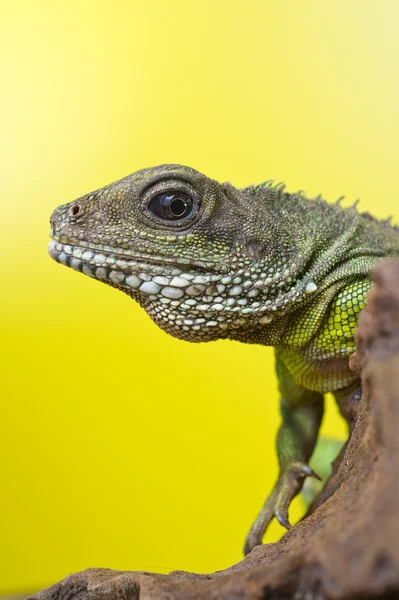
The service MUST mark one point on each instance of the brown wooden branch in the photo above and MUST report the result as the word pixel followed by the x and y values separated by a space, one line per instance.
pixel 348 547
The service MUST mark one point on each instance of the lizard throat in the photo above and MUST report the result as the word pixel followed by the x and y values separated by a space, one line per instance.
pixel 249 296
pixel 189 304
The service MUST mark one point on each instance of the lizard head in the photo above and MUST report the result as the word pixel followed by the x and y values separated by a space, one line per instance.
pixel 191 251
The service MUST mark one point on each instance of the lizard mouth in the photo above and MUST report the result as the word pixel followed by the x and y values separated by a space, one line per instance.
pixel 190 286
pixel 188 301
pixel 148 275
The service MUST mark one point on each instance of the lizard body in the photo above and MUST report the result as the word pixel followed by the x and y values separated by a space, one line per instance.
pixel 258 265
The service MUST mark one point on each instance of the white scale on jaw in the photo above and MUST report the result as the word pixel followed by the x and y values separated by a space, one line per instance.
pixel 206 293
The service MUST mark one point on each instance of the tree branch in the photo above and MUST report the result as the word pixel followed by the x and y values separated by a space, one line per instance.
pixel 348 547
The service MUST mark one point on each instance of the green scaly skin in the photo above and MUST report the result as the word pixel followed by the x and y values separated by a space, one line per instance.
pixel 256 265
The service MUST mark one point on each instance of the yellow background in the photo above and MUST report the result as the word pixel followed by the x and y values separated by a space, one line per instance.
pixel 120 446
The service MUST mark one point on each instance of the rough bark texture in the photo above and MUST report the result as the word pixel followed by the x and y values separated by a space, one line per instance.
pixel 348 547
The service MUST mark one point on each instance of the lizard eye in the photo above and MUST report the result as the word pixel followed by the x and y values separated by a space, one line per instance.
pixel 171 206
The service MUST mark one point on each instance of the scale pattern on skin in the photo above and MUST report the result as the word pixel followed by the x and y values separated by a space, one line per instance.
pixel 249 274
pixel 258 265
pixel 203 304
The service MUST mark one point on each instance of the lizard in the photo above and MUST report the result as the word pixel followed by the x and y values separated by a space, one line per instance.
pixel 259 265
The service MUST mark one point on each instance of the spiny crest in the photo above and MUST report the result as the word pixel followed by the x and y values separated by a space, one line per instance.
pixel 280 186
pixel 385 222
pixel 342 198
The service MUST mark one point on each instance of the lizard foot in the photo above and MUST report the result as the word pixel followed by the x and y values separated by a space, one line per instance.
pixel 289 484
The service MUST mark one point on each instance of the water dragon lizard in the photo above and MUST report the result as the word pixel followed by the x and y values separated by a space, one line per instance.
pixel 258 265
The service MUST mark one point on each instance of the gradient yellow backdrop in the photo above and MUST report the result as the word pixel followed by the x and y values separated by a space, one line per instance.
pixel 120 446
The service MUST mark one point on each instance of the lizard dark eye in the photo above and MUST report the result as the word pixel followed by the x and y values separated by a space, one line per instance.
pixel 171 206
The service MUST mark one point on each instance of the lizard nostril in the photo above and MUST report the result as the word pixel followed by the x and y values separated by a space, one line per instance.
pixel 74 210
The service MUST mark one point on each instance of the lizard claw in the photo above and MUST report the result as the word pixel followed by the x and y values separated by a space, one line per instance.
pixel 308 472
pixel 282 518
pixel 287 487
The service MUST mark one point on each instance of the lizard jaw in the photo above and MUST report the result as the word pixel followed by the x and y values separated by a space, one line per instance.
pixel 187 304
pixel 143 277
pixel 125 270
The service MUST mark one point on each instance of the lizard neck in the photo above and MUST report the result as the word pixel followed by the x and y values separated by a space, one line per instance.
pixel 310 252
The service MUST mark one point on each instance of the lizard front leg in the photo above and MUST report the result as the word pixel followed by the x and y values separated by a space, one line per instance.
pixel 302 412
